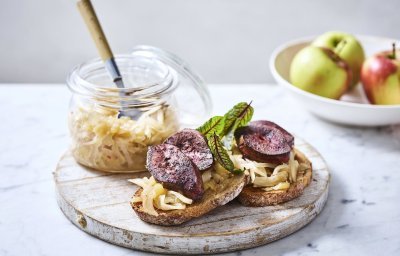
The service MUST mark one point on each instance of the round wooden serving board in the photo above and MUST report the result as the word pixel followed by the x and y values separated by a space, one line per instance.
pixel 98 203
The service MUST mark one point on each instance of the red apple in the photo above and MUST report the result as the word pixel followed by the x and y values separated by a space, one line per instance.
pixel 380 76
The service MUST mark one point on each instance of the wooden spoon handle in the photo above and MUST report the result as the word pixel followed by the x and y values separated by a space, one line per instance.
pixel 89 15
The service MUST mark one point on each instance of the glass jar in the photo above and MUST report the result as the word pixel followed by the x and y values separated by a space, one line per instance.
pixel 112 127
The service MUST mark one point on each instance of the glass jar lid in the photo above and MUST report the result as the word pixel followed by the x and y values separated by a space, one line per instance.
pixel 191 93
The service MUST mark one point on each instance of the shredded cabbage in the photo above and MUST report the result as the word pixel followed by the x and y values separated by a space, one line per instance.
pixel 266 175
pixel 206 176
pixel 154 195
pixel 280 186
pixel 214 178
pixel 105 142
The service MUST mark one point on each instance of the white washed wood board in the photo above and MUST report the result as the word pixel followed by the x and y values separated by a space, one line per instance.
pixel 98 203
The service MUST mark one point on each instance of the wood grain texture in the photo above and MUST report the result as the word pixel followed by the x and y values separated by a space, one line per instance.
pixel 98 203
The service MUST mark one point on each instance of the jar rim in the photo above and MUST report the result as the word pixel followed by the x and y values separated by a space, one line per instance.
pixel 78 80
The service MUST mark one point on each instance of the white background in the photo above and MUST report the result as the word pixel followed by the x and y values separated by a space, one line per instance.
pixel 226 41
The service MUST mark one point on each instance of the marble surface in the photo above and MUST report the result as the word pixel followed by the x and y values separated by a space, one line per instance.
pixel 362 215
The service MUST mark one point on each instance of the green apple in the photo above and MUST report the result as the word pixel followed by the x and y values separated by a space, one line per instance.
pixel 320 71
pixel 347 47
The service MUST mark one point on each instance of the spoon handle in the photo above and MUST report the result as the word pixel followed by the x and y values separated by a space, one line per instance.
pixel 89 15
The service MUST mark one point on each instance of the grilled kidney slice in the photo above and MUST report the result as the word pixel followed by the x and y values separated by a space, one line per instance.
pixel 193 144
pixel 171 167
pixel 264 141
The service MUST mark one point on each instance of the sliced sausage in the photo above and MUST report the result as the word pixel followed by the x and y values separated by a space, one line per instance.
pixel 289 137
pixel 193 144
pixel 171 167
pixel 263 143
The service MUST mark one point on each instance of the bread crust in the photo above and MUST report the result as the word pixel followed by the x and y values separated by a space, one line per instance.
pixel 211 199
pixel 257 197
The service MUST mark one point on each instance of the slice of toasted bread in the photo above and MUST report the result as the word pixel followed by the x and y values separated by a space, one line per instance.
pixel 230 189
pixel 251 196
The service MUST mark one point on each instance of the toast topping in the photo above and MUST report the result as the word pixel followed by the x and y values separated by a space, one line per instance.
pixel 171 167
pixel 193 144
pixel 214 178
pixel 269 176
pixel 264 141
pixel 266 153
pixel 154 195
pixel 264 123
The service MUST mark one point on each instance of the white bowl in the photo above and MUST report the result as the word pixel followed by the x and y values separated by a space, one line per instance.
pixel 353 108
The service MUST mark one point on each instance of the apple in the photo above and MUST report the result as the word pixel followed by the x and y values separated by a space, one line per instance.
pixel 320 71
pixel 380 77
pixel 347 47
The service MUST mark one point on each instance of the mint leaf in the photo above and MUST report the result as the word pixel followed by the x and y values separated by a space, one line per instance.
pixel 220 153
pixel 213 125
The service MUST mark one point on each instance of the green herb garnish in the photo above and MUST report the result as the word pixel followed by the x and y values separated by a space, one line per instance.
pixel 217 127
pixel 237 117
pixel 220 153
pixel 213 125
